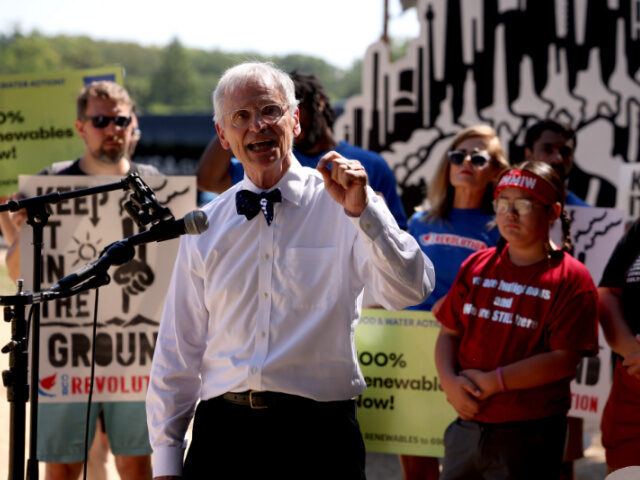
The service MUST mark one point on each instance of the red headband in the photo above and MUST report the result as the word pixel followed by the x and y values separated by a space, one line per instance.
pixel 530 182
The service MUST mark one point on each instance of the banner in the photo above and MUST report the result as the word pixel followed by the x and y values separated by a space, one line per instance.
pixel 37 114
pixel 129 308
pixel 595 232
pixel 403 410
pixel 590 389
pixel 628 195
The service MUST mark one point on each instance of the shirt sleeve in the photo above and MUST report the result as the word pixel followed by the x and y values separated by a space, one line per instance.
pixel 574 326
pixel 390 193
pixel 390 260
pixel 175 381
pixel 573 323
pixel 449 313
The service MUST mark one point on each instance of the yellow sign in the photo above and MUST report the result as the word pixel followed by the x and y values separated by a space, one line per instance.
pixel 403 410
pixel 37 112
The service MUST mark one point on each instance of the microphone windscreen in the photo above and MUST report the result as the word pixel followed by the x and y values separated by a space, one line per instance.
pixel 195 222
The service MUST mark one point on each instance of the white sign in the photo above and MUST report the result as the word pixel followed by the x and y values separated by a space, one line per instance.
pixel 129 307
pixel 628 195
pixel 595 232
pixel 590 389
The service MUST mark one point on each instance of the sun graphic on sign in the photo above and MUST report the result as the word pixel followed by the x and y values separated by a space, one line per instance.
pixel 86 250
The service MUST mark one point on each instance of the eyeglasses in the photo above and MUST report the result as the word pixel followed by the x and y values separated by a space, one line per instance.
pixel 522 206
pixel 478 159
pixel 270 114
pixel 102 121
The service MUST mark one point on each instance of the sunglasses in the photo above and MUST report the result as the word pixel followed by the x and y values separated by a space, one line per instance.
pixel 270 114
pixel 522 206
pixel 478 159
pixel 102 121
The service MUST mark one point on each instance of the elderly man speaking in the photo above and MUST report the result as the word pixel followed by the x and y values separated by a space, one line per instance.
pixel 260 316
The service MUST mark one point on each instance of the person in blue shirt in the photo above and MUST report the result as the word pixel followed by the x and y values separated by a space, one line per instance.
pixel 456 221
pixel 218 170
pixel 553 142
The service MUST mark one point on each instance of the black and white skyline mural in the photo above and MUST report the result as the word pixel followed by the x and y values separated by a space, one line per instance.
pixel 507 63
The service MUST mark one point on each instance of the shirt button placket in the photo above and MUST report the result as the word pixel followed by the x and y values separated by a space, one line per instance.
pixel 265 269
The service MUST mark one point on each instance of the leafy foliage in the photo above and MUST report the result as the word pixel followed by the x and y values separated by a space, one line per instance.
pixel 173 79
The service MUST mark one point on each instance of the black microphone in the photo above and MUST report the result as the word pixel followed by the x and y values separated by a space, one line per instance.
pixel 120 252
pixel 193 223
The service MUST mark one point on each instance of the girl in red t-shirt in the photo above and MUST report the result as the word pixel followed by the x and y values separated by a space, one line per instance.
pixel 514 326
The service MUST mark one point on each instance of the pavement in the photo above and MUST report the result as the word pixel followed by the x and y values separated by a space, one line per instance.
pixel 382 466
pixel 378 466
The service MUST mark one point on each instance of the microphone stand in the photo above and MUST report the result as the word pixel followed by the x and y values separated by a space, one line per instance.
pixel 144 207
pixel 15 379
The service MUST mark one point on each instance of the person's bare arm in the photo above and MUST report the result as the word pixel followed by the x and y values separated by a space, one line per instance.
pixel 10 226
pixel 8 229
pixel 12 260
pixel 529 372
pixel 461 391
pixel 213 168
pixel 618 334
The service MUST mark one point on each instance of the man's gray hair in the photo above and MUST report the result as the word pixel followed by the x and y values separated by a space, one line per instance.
pixel 240 75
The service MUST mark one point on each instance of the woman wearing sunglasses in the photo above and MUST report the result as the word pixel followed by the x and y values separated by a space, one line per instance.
pixel 457 223
pixel 515 324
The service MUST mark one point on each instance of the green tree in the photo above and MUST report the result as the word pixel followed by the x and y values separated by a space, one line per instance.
pixel 173 84
pixel 78 52
pixel 28 54
pixel 161 80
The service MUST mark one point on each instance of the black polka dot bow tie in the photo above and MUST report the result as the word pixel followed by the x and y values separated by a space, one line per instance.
pixel 249 203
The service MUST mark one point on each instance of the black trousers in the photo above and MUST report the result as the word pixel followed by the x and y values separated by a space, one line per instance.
pixel 527 450
pixel 296 440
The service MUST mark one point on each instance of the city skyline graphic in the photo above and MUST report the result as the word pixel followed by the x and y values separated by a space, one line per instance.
pixel 506 63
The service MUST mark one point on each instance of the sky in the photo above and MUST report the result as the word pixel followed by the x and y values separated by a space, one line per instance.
pixel 338 31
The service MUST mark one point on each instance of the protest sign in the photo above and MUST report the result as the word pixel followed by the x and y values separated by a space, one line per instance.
pixel 129 307
pixel 590 389
pixel 37 114
pixel 628 193
pixel 403 410
pixel 594 233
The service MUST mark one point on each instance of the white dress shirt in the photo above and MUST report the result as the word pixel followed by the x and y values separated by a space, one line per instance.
pixel 258 307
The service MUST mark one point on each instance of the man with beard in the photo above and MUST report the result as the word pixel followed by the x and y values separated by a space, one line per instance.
pixel 552 142
pixel 106 122
pixel 217 170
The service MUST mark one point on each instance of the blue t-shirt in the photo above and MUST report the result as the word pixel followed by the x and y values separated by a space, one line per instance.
pixel 449 242
pixel 573 199
pixel 381 177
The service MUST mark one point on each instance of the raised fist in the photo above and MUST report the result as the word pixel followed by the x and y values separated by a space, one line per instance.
pixel 135 276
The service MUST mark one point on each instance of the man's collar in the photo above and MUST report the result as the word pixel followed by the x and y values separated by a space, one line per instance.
pixel 291 184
